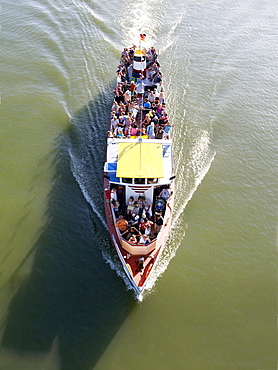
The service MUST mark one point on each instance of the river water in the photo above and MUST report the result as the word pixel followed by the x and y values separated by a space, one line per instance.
pixel 213 302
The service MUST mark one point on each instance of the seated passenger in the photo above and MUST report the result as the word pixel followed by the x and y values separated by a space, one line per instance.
pixel 148 230
pixel 120 134
pixel 134 220
pixel 147 104
pixel 143 131
pixel 142 225
pixel 134 130
pixel 132 239
pixel 131 231
pixel 144 239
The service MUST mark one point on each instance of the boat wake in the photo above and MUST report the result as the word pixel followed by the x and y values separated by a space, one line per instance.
pixel 190 174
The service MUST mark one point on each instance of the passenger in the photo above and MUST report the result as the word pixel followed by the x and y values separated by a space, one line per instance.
pixel 120 134
pixel 155 121
pixel 142 225
pixel 143 131
pixel 127 95
pixel 114 194
pixel 147 207
pixel 125 54
pixel 147 120
pixel 121 123
pixel 148 230
pixel 156 94
pixel 153 51
pixel 121 224
pixel 149 58
pixel 134 221
pixel 130 231
pixel 158 222
pixel 128 123
pixel 118 97
pixel 147 104
pixel 115 206
pixel 132 239
pixel 163 120
pixel 151 97
pixel 161 97
pixel 115 108
pixel 114 122
pixel 140 202
pixel 159 134
pixel 134 130
pixel 144 239
pixel 136 209
pixel 154 108
pixel 125 86
pixel 157 102
pixel 157 77
pixel 118 87
pixel 134 109
pixel 159 110
pixel 130 206
pixel 132 88
pixel 166 131
pixel 131 53
pixel 122 109
pixel 150 131
pixel 160 87
pixel 164 193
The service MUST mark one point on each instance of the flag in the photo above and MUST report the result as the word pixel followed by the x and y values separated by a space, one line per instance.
pixel 142 36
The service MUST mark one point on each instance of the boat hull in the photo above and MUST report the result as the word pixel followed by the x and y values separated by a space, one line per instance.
pixel 139 283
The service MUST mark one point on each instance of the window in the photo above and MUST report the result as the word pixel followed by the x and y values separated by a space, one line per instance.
pixel 139 59
pixel 127 180
pixel 152 181
pixel 139 181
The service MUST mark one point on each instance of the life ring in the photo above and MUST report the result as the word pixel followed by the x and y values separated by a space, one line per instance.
pixel 129 269
pixel 148 270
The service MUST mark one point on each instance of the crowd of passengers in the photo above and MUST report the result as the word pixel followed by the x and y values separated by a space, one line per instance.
pixel 126 118
pixel 135 220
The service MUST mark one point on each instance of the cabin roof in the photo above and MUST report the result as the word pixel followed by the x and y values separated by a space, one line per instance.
pixel 114 157
pixel 140 160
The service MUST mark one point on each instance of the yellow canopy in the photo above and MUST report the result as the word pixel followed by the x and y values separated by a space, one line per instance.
pixel 140 160
pixel 140 52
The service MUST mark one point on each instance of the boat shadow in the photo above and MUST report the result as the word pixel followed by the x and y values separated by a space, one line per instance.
pixel 72 294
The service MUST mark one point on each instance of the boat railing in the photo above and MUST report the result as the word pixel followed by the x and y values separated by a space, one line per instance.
pixel 138 249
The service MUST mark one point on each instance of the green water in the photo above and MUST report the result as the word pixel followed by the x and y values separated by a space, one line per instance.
pixel 64 304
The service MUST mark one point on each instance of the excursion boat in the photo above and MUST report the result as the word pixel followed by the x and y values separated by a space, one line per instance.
pixel 139 172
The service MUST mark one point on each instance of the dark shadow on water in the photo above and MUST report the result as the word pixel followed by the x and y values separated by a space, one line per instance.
pixel 72 293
